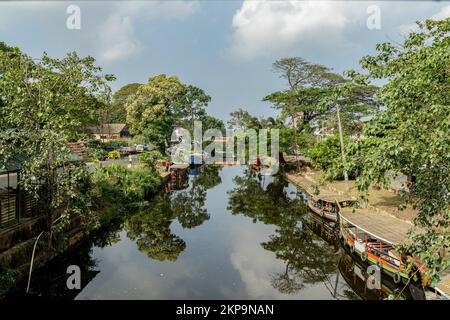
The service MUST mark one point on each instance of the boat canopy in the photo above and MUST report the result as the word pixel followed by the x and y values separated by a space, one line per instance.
pixel 332 198
pixel 386 228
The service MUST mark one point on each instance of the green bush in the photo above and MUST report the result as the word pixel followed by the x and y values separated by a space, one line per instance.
pixel 326 155
pixel 325 152
pixel 115 144
pixel 114 154
pixel 118 188
pixel 8 279
pixel 150 159
pixel 139 139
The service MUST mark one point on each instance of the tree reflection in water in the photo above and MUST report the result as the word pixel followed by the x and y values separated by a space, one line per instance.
pixel 308 258
pixel 150 227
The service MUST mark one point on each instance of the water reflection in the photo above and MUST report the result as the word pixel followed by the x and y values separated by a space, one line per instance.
pixel 232 234
pixel 307 259
pixel 150 227
pixel 354 273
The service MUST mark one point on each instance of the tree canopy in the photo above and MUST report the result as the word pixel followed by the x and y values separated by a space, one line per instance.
pixel 164 102
pixel 118 112
pixel 418 140
pixel 47 102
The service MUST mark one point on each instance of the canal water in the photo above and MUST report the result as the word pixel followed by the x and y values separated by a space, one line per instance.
pixel 230 234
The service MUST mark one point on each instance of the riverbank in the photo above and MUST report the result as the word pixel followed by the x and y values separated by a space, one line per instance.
pixel 17 242
pixel 164 250
pixel 380 217
pixel 380 200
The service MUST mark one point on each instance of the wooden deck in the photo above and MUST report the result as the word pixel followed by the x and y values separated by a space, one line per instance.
pixel 382 226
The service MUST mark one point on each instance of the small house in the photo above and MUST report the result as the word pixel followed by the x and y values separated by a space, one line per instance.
pixel 110 131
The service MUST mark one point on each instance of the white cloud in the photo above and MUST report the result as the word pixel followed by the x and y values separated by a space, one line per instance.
pixel 444 13
pixel 405 29
pixel 265 27
pixel 269 28
pixel 108 29
pixel 117 39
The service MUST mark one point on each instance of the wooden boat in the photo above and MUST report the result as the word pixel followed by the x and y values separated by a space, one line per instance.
pixel 354 273
pixel 373 237
pixel 327 206
pixel 178 177
pixel 324 228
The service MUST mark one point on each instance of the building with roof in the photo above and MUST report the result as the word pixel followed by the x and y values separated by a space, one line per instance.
pixel 110 131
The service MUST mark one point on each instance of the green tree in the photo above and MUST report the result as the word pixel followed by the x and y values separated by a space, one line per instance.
pixel 162 103
pixel 324 152
pixel 243 120
pixel 418 140
pixel 45 103
pixel 190 106
pixel 307 84
pixel 149 112
pixel 150 159
pixel 118 112
pixel 210 122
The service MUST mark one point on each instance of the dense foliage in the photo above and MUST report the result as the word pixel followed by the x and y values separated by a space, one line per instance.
pixel 45 104
pixel 151 159
pixel 118 189
pixel 163 103
pixel 117 112
pixel 417 142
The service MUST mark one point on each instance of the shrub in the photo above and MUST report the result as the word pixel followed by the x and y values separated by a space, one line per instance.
pixel 115 144
pixel 8 279
pixel 139 139
pixel 150 159
pixel 324 152
pixel 114 154
pixel 326 155
pixel 118 188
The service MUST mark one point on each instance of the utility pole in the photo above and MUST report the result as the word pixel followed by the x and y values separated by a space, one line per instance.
pixel 344 163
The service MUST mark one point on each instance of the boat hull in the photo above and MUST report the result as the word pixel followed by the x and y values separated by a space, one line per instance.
pixel 322 213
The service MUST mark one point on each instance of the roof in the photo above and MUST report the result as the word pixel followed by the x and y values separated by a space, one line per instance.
pixel 15 163
pixel 109 128
pixel 332 197
pixel 298 157
pixel 179 166
pixel 379 225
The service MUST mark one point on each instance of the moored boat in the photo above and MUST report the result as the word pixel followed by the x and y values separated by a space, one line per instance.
pixel 327 206
pixel 355 275
pixel 373 237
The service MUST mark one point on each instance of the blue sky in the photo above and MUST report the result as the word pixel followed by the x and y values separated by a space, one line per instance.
pixel 224 47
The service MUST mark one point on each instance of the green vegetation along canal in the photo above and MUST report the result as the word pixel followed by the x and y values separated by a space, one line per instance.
pixel 231 234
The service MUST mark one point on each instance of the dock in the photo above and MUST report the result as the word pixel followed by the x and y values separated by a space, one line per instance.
pixel 382 226
pixel 180 166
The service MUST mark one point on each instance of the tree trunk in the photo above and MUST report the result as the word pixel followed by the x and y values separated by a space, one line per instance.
pixel 341 138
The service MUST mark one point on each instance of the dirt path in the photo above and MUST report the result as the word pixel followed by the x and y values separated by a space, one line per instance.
pixel 384 200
